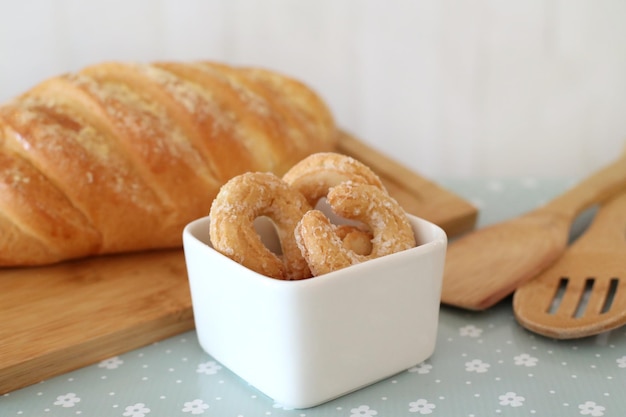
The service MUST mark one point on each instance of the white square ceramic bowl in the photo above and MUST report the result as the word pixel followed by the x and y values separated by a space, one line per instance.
pixel 305 342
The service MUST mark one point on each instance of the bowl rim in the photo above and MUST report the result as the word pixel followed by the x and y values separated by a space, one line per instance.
pixel 439 238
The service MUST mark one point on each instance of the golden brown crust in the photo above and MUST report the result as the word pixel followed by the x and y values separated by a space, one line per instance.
pixel 124 155
pixel 322 247
pixel 242 200
pixel 23 223
pixel 314 175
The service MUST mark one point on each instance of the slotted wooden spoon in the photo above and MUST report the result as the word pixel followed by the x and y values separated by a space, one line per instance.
pixel 584 292
pixel 487 265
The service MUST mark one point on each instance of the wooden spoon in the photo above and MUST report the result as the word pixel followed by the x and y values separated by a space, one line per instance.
pixel 487 265
pixel 582 294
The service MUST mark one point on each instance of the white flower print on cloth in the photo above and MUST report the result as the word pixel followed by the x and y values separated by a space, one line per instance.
pixel 363 411
pixel 111 363
pixel 590 408
pixel 67 400
pixel 511 399
pixel 195 407
pixel 422 368
pixel 136 410
pixel 282 406
pixel 621 362
pixel 525 360
pixel 421 406
pixel 470 331
pixel 477 366
pixel 208 368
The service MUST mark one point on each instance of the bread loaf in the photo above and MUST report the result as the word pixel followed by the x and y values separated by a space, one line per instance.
pixel 119 157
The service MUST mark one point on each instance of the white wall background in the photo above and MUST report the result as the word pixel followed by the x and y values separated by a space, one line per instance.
pixel 450 88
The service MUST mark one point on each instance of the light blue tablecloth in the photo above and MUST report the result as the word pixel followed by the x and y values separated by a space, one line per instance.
pixel 485 364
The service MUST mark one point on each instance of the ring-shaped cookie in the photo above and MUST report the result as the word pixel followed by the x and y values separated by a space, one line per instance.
pixel 323 248
pixel 242 200
pixel 316 174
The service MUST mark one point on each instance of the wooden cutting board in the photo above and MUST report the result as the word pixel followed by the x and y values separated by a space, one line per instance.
pixel 59 318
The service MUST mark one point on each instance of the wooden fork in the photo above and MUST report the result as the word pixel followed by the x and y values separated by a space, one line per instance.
pixel 584 292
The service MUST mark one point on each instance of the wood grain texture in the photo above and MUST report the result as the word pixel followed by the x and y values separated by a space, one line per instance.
pixel 59 318
pixel 62 317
